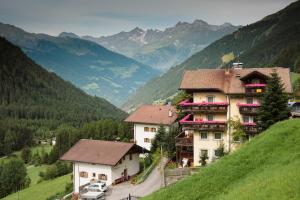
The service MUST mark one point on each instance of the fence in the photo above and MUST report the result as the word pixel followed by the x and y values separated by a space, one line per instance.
pixel 173 175
pixel 130 197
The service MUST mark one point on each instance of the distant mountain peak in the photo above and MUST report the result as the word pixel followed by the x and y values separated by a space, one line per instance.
pixel 226 24
pixel 180 23
pixel 200 22
pixel 68 34
pixel 137 30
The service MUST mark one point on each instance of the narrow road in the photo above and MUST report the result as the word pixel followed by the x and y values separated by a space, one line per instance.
pixel 151 184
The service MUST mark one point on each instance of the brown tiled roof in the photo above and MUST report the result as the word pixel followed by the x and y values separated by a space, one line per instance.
pixel 229 83
pixel 153 114
pixel 99 151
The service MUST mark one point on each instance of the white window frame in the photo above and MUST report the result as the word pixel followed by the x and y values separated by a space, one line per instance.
pixel 213 117
pixel 210 96
pixel 215 136
pixel 204 138
pixel 204 150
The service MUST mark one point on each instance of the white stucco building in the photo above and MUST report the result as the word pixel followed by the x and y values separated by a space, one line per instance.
pixel 106 161
pixel 147 119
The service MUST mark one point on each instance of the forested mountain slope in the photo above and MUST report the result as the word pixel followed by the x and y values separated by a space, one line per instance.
pixel 272 41
pixel 27 91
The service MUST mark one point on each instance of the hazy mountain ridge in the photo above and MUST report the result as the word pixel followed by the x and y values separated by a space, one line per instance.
pixel 163 49
pixel 95 69
pixel 272 41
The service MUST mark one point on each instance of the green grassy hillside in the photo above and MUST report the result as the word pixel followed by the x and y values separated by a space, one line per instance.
pixel 42 190
pixel 272 41
pixel 265 168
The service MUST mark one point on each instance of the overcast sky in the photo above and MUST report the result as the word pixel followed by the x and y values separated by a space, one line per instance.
pixel 104 17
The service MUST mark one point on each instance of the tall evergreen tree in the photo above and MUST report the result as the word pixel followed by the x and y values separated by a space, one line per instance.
pixel 159 139
pixel 274 106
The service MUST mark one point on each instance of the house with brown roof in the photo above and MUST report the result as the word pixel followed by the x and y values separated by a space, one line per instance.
pixel 147 119
pixel 106 161
pixel 217 96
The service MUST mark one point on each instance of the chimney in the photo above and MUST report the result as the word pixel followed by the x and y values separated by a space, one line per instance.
pixel 170 113
pixel 237 65
pixel 227 71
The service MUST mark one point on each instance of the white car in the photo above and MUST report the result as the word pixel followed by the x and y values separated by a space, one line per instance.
pixel 97 187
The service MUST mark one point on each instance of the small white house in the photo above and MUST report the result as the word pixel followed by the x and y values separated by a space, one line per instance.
pixel 107 161
pixel 147 119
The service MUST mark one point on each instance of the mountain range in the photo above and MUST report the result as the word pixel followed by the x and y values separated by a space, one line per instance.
pixel 90 66
pixel 162 49
pixel 272 41
pixel 29 92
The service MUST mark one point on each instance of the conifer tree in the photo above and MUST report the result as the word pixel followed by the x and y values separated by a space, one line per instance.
pixel 274 106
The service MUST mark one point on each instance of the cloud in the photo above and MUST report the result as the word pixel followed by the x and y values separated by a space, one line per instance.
pixel 91 86
pixel 103 17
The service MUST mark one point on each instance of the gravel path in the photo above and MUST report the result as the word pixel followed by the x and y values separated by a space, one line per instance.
pixel 151 184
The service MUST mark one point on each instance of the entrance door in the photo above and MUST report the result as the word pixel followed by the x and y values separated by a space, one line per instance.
pixel 125 174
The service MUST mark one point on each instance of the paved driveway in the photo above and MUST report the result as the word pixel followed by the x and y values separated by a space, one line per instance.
pixel 151 184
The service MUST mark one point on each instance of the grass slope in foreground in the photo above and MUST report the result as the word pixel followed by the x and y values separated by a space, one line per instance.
pixel 42 190
pixel 267 167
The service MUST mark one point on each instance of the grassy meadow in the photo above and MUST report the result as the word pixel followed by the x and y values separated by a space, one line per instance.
pixel 265 168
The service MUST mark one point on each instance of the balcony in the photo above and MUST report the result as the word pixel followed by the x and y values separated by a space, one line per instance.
pixel 204 107
pixel 248 109
pixel 255 89
pixel 189 124
pixel 255 85
pixel 184 140
pixel 250 128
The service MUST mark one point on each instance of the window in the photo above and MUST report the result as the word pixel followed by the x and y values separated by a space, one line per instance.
pixel 147 140
pixel 83 174
pixel 249 100
pixel 218 153
pixel 124 157
pixel 102 177
pixel 255 81
pixel 218 136
pixel 203 136
pixel 130 156
pixel 210 98
pixel 146 129
pixel 94 174
pixel 246 119
pixel 210 117
pixel 204 152
pixel 153 129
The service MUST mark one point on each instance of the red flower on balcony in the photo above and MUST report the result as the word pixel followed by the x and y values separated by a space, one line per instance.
pixel 188 120
pixel 188 103
pixel 248 104
pixel 249 124
pixel 251 85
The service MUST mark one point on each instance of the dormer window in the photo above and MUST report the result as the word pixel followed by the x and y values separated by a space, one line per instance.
pixel 210 99
pixel 255 81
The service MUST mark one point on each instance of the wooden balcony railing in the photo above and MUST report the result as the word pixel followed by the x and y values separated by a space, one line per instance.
pixel 249 109
pixel 188 124
pixel 204 107
pixel 251 128
pixel 185 141
pixel 255 89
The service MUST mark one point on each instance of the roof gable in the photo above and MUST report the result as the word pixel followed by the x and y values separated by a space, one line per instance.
pixel 229 81
pixel 100 152
pixel 153 114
